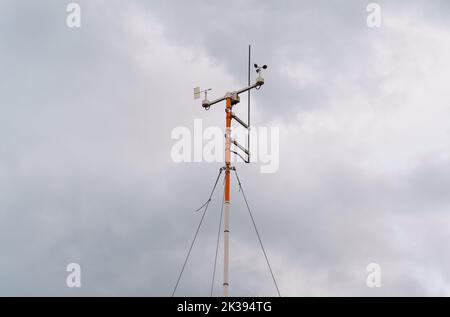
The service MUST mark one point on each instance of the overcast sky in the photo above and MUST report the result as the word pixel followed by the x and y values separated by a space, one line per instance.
pixel 86 176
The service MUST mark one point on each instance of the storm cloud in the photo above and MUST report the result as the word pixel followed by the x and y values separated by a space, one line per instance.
pixel 86 174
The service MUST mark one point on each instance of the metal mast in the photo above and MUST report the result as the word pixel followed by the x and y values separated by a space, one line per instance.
pixel 232 99
pixel 226 210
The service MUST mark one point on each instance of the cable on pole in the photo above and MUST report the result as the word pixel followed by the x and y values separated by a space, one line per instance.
pixel 217 244
pixel 248 99
pixel 257 233
pixel 206 205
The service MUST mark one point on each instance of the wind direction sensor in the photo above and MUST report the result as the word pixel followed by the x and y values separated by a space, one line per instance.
pixel 197 93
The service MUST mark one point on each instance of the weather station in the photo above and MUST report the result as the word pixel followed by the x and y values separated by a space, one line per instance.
pixel 231 99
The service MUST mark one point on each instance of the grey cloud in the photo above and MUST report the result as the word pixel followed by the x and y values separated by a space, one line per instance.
pixel 86 175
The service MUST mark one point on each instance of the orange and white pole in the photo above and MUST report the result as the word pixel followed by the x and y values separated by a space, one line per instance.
pixel 231 98
pixel 226 232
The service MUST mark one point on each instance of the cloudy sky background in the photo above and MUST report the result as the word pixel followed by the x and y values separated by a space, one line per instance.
pixel 86 175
